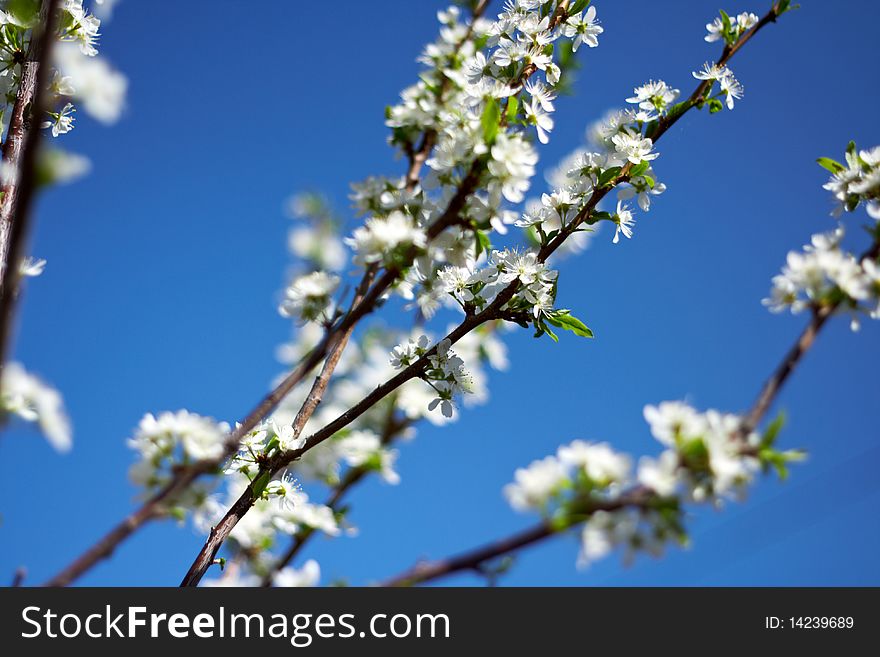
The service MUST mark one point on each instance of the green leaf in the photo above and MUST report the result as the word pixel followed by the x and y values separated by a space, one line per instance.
pixel 607 176
pixel 482 242
pixel 679 108
pixel 578 6
pixel 832 165
pixel 851 147
pixel 772 431
pixel 489 120
pixel 542 328
pixel 596 217
pixel 639 169
pixel 715 106
pixel 565 320
pixel 512 108
pixel 650 181
pixel 725 19
pixel 259 484
pixel 26 12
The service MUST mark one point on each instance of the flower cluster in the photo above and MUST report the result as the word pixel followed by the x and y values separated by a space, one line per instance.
pixel 707 457
pixel 730 28
pixel 653 97
pixel 79 72
pixel 282 509
pixel 618 140
pixel 825 274
pixel 364 450
pixel 445 372
pixel 26 397
pixel 856 182
pixel 80 27
pixel 288 577
pixel 383 239
pixel 489 86
pixel 729 86
pixel 589 466
pixel 308 297
pixel 315 240
pixel 169 440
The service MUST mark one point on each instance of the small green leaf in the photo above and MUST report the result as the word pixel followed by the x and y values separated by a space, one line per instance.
pixel 725 20
pixel 489 120
pixel 772 431
pixel 650 181
pixel 639 169
pixel 542 328
pixel 26 12
pixel 715 106
pixel 512 108
pixel 482 242
pixel 259 484
pixel 832 165
pixel 607 176
pixel 578 7
pixel 565 320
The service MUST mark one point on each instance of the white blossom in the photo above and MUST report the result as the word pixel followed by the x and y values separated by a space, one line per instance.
pixel 289 577
pixel 381 236
pixel 584 28
pixel 634 148
pixel 309 296
pixel 533 486
pixel 25 396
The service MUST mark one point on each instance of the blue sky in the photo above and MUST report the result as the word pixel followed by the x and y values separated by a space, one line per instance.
pixel 165 263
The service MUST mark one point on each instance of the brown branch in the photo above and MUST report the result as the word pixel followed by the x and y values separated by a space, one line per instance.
pixel 805 341
pixel 18 577
pixel 475 560
pixel 697 97
pixel 208 552
pixel 393 427
pixel 19 157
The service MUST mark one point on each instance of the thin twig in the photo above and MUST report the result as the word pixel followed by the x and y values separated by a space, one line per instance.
pixel 393 427
pixel 208 553
pixel 19 163
pixel 474 560
pixel 18 577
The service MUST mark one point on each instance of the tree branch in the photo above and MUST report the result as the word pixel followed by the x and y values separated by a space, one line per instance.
pixel 393 427
pixel 19 162
pixel 475 560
